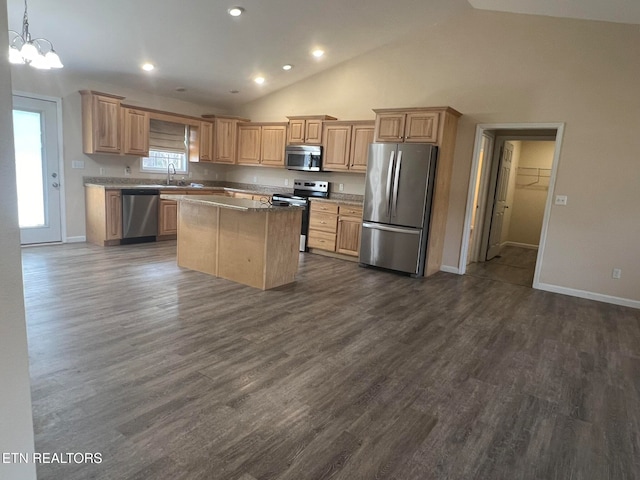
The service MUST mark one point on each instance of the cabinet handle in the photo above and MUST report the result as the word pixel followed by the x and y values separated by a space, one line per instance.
pixel 323 223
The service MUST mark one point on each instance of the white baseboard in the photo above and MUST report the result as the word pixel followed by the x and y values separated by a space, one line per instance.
pixel 448 269
pixel 625 302
pixel 523 245
pixel 78 239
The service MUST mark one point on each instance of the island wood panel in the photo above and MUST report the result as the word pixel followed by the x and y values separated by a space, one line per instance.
pixel 257 248
pixel 281 248
pixel 197 247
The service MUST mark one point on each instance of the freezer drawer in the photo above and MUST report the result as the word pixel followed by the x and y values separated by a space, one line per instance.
pixel 386 246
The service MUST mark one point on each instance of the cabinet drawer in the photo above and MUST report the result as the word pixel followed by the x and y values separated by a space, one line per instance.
pixel 326 222
pixel 324 207
pixel 322 240
pixel 350 211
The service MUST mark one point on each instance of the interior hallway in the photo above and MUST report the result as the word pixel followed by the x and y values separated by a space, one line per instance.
pixel 515 265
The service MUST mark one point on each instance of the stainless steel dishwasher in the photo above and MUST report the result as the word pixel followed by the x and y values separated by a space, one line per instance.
pixel 139 215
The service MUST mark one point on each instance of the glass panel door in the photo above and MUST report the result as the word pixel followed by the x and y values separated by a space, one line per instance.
pixel 36 150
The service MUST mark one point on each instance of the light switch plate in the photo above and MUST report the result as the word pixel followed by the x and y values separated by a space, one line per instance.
pixel 77 164
pixel 561 200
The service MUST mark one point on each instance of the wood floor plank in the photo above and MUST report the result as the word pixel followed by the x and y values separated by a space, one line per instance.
pixel 348 373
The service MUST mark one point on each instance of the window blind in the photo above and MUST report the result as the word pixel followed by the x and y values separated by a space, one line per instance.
pixel 167 136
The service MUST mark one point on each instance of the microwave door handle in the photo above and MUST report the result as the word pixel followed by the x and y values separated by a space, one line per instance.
pixel 389 180
pixel 396 182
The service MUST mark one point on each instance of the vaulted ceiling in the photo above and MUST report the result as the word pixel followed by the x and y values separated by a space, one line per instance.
pixel 198 47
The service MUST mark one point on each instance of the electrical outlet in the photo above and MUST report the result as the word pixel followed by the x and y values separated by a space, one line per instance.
pixel 561 199
pixel 255 179
pixel 341 187
pixel 217 176
pixel 617 273
pixel 286 182
pixel 103 171
pixel 190 174
pixel 206 171
pixel 127 170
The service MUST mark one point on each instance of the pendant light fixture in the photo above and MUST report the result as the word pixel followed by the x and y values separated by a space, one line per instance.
pixel 37 52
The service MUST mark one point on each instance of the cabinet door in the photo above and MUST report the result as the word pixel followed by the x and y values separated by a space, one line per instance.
pixel 422 127
pixel 348 238
pixel 168 221
pixel 296 131
pixel 249 137
pixel 313 132
pixel 390 127
pixel 225 140
pixel 337 147
pixel 361 137
pixel 273 143
pixel 206 142
pixel 106 124
pixel 136 132
pixel 113 205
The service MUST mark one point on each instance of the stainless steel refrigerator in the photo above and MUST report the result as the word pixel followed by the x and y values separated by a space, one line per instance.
pixel 397 206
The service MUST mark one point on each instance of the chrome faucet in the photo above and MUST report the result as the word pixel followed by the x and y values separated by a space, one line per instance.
pixel 169 167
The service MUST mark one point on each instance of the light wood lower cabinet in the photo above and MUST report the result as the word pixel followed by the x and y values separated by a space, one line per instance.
pixel 335 227
pixel 349 228
pixel 103 215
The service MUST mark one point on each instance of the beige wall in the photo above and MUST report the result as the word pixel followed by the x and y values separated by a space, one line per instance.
pixel 501 68
pixel 58 84
pixel 527 211
pixel 16 424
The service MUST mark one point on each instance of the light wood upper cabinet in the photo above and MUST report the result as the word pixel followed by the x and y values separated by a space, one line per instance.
pixel 249 141
pixel 206 142
pixel 419 125
pixel 225 140
pixel 307 129
pixel 101 122
pixel 337 146
pixel 262 144
pixel 274 139
pixel 135 128
pixel 361 137
pixel 346 145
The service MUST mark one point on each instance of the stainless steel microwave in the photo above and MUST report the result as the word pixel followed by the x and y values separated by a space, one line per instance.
pixel 303 157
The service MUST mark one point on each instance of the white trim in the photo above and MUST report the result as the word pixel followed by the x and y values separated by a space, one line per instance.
pixel 78 239
pixel 599 297
pixel 521 245
pixel 61 176
pixel 448 269
pixel 547 209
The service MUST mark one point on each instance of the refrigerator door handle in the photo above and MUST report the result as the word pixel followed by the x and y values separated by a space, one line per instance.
pixel 387 228
pixel 389 180
pixel 396 182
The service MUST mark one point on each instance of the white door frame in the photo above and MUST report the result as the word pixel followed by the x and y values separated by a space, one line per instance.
pixel 61 176
pixel 480 130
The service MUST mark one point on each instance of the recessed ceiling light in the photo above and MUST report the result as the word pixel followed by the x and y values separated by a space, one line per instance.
pixel 287 67
pixel 148 67
pixel 235 11
pixel 181 89
pixel 234 91
pixel 318 53
pixel 259 80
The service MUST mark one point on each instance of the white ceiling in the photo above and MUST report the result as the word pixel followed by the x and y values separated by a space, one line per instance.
pixel 196 45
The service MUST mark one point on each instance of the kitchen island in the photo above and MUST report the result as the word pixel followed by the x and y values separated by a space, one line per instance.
pixel 245 241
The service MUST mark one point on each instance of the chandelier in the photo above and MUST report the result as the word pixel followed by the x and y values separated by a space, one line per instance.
pixel 37 52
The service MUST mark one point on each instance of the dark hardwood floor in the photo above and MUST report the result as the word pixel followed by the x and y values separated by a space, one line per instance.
pixel 514 265
pixel 349 373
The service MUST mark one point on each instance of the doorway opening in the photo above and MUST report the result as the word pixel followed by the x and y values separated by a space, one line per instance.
pixel 38 169
pixel 509 201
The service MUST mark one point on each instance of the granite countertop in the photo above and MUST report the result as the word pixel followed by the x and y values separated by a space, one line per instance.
pixel 116 186
pixel 243 204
